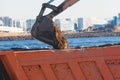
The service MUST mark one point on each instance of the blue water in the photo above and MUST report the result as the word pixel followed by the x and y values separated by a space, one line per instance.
pixel 92 41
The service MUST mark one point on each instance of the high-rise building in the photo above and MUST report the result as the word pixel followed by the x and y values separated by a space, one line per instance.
pixel 113 22
pixel 16 23
pixel 29 24
pixel 80 23
pixel 7 21
pixel 75 26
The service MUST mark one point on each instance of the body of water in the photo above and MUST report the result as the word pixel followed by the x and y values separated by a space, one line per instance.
pixel 73 42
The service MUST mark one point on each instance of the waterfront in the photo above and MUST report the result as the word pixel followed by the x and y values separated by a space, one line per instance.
pixel 73 42
pixel 27 36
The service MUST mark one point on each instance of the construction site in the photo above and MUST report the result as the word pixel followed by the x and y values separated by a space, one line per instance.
pixel 60 62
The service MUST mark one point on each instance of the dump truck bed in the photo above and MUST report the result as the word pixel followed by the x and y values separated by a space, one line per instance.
pixel 96 63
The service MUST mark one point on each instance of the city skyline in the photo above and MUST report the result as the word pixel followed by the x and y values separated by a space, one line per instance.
pixel 7 23
pixel 100 10
pixel 64 24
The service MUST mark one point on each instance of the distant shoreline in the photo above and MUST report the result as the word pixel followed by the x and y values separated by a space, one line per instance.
pixel 4 36
pixel 27 36
pixel 91 34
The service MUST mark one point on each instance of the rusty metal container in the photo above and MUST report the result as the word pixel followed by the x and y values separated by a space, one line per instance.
pixel 96 63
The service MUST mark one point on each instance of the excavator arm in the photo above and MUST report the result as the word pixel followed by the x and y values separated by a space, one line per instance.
pixel 57 10
pixel 45 30
pixel 62 7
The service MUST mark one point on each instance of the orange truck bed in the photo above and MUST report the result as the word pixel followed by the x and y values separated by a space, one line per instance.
pixel 96 63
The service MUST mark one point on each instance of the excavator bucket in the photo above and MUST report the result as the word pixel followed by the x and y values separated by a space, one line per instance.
pixel 46 30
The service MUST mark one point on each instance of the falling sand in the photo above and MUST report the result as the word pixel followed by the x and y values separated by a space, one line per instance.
pixel 62 41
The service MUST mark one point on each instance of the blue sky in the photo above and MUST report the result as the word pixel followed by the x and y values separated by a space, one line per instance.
pixel 24 9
